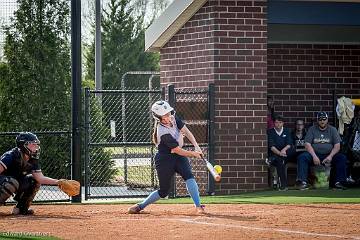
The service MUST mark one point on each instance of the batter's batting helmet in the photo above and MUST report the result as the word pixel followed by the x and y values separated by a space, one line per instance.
pixel 160 108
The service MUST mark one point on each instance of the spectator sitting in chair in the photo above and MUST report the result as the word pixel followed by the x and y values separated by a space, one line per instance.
pixel 279 141
pixel 298 136
pixel 322 143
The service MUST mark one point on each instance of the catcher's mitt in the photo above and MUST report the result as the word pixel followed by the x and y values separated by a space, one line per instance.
pixel 70 187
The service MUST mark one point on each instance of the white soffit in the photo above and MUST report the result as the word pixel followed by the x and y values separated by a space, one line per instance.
pixel 170 22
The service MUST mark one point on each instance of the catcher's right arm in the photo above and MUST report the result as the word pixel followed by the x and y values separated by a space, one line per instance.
pixel 70 187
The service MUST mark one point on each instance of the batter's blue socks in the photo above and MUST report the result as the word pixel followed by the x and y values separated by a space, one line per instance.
pixel 193 189
pixel 153 197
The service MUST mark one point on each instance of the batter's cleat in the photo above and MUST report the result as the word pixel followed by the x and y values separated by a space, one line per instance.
pixel 134 209
pixel 200 210
pixel 18 211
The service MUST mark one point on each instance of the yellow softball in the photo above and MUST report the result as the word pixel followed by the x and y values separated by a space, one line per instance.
pixel 218 169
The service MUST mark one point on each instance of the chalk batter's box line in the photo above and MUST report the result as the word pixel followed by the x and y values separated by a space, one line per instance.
pixel 199 220
pixel 194 221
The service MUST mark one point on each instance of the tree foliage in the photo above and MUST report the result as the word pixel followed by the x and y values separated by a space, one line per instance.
pixel 35 94
pixel 123 36
pixel 35 79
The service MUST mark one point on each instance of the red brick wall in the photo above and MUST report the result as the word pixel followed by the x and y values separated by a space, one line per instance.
pixel 240 80
pixel 187 60
pixel 302 78
pixel 225 43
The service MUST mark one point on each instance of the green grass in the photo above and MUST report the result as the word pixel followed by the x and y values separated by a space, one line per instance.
pixel 24 236
pixel 275 197
pixel 140 175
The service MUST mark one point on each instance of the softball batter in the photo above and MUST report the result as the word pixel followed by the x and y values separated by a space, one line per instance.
pixel 171 158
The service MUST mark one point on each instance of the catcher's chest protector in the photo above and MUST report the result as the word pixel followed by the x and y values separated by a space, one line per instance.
pixel 16 167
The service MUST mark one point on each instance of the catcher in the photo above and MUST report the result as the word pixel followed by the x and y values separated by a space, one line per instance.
pixel 20 174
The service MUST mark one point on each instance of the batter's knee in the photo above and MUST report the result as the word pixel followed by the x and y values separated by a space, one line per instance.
pixel 188 176
pixel 163 193
pixel 8 187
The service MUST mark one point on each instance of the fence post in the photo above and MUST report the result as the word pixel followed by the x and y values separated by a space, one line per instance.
pixel 163 92
pixel 172 102
pixel 151 120
pixel 211 128
pixel 86 141
pixel 123 119
pixel 76 92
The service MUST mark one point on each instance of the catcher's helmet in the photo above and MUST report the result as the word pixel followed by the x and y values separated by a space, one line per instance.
pixel 160 108
pixel 29 144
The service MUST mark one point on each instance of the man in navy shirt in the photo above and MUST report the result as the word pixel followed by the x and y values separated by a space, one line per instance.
pixel 280 142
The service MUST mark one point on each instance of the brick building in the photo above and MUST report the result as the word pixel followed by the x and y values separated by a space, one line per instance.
pixel 301 53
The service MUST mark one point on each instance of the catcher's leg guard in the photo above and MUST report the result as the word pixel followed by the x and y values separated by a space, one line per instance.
pixel 27 191
pixel 8 187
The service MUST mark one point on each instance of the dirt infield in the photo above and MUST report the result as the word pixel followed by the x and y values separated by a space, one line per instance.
pixel 225 221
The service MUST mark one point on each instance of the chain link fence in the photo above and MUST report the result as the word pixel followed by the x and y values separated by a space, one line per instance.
pixel 55 160
pixel 194 108
pixel 119 152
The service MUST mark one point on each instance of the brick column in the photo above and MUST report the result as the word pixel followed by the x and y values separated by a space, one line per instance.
pixel 225 42
pixel 241 84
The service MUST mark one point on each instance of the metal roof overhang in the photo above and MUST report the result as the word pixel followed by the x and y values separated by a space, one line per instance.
pixel 291 23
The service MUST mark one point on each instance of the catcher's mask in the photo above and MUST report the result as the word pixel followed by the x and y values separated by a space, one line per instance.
pixel 29 144
pixel 160 108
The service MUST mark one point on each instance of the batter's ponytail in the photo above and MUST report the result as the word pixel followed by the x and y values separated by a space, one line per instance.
pixel 154 135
